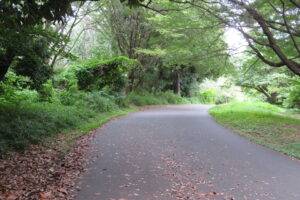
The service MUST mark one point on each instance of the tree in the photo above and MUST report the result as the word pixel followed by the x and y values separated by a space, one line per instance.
pixel 33 62
pixel 188 44
pixel 127 30
pixel 257 77
pixel 21 20
pixel 270 27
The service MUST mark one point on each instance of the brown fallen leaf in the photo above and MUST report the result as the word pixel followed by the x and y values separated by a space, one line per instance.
pixel 12 197
pixel 46 196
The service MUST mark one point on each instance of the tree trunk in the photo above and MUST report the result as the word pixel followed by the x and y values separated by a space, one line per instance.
pixel 5 63
pixel 272 98
pixel 178 80
pixel 130 86
pixel 3 70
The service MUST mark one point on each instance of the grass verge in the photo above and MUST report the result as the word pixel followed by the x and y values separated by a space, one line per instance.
pixel 262 123
pixel 29 123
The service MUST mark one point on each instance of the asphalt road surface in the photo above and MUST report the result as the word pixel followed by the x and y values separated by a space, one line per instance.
pixel 179 152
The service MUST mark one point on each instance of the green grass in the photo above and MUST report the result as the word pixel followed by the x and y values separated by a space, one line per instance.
pixel 144 98
pixel 28 122
pixel 31 123
pixel 262 123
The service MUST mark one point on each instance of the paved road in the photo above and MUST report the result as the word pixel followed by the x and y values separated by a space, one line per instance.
pixel 179 152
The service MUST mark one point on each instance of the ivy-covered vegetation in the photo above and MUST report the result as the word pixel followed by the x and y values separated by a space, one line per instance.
pixel 63 64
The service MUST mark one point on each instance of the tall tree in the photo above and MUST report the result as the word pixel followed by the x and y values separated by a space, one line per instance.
pixel 20 21
pixel 271 27
pixel 23 21
pixel 188 42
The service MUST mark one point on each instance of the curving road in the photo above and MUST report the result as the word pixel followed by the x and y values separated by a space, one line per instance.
pixel 179 152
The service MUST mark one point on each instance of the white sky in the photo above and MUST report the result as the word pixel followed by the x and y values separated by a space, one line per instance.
pixel 235 41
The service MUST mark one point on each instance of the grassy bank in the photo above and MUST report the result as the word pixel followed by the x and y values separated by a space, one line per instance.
pixel 30 123
pixel 262 123
pixel 27 122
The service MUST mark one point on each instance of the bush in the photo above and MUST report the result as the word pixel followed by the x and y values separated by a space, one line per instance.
pixel 14 89
pixel 46 92
pixel 144 98
pixel 172 98
pixel 219 91
pixel 224 98
pixel 27 123
pixel 96 101
pixel 97 74
pixel 293 98
pixel 194 100
pixel 207 96
pixel 99 102
pixel 69 97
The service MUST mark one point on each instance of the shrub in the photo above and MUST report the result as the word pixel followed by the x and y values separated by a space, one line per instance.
pixel 100 102
pixel 46 92
pixel 14 89
pixel 224 98
pixel 29 122
pixel 219 91
pixel 69 97
pixel 207 96
pixel 293 98
pixel 96 74
pixel 171 98
pixel 143 98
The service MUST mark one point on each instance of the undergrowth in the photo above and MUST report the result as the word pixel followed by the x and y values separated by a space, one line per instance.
pixel 144 98
pixel 26 121
pixel 262 123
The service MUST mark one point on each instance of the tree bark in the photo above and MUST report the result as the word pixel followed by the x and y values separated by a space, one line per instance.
pixel 3 70
pixel 5 63
pixel 178 80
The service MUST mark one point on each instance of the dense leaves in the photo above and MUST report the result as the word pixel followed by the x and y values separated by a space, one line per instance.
pixel 96 74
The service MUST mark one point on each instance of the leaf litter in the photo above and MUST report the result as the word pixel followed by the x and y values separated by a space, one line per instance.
pixel 45 172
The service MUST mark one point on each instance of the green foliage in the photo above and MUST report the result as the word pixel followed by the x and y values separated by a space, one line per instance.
pixel 35 69
pixel 46 92
pixel 29 122
pixel 24 45
pixel 99 102
pixel 265 106
pixel 207 96
pixel 263 123
pixel 263 81
pixel 17 81
pixel 172 98
pixel 96 101
pixel 68 97
pixel 96 74
pixel 219 91
pixel 293 98
pixel 65 79
pixel 13 89
pixel 144 98
pixel 32 62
